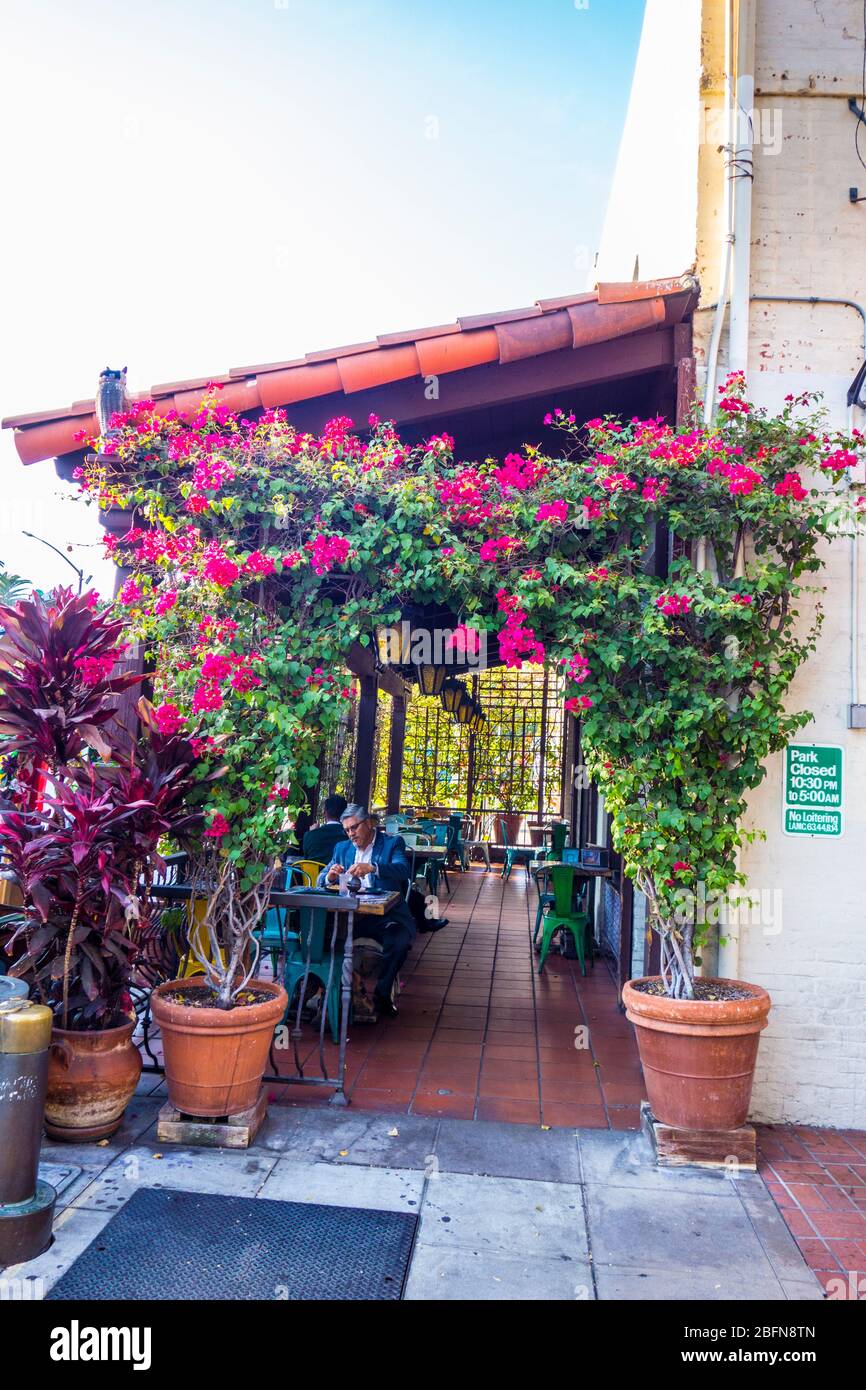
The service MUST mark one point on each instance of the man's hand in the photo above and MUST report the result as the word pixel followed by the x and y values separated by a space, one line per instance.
pixel 334 872
pixel 362 870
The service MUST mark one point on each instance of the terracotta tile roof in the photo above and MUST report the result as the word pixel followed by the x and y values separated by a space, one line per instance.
pixel 550 325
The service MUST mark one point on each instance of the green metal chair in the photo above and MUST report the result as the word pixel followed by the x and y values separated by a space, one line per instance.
pixel 514 854
pixel 310 956
pixel 563 916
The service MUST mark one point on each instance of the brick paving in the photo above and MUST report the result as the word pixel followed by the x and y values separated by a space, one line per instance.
pixel 817 1177
pixel 481 1037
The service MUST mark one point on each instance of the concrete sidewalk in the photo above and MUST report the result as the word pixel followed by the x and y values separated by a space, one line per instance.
pixel 507 1211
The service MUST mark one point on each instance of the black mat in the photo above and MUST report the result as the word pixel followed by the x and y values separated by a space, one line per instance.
pixel 172 1245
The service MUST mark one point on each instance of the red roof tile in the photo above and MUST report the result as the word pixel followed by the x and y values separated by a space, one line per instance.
pixel 551 325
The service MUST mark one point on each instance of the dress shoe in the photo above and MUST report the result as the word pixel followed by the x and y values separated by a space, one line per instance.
pixel 384 1006
pixel 435 924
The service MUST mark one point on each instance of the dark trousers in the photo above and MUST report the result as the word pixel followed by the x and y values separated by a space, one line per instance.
pixel 395 938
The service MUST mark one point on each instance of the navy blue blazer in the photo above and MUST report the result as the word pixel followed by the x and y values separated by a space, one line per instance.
pixel 388 853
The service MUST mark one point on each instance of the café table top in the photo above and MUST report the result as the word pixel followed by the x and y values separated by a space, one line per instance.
pixel 373 904
pixel 367 904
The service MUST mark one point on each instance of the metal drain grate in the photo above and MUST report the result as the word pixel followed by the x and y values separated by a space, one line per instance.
pixel 174 1245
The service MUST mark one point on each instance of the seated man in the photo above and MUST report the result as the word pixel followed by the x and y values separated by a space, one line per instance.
pixel 381 863
pixel 320 842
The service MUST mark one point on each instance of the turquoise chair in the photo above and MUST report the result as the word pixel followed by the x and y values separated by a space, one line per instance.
pixel 274 936
pixel 514 854
pixel 563 916
pixel 453 840
pixel 311 946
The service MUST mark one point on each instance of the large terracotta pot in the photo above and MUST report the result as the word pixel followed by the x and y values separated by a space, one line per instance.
pixel 215 1058
pixel 91 1080
pixel 698 1056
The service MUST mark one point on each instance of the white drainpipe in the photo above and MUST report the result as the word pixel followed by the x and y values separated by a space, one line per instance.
pixel 727 221
pixel 738 336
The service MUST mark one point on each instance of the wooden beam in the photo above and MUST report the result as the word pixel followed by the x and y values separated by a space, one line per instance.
pixel 365 744
pixel 395 753
pixel 362 662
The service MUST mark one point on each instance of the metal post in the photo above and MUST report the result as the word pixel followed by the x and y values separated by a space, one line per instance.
pixel 26 1203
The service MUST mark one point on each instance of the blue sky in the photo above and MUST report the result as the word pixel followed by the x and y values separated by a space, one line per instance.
pixel 203 185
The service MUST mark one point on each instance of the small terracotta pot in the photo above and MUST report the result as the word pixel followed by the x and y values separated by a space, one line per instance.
pixel 215 1058
pixel 698 1056
pixel 91 1080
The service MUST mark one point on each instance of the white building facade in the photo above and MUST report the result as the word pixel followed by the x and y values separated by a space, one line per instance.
pixel 737 161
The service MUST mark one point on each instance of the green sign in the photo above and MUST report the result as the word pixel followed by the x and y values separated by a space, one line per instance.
pixel 813 790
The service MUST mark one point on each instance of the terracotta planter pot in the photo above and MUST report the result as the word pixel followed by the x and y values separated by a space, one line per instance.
pixel 215 1058
pixel 698 1057
pixel 91 1079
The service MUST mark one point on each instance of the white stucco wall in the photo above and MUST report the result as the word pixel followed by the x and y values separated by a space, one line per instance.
pixel 652 208
pixel 806 239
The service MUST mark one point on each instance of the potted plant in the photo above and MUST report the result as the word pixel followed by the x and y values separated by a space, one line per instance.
pixel 689 675
pixel 80 843
pixel 217 1030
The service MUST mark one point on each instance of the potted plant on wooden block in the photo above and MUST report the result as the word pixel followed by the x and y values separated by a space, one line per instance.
pixel 217 1029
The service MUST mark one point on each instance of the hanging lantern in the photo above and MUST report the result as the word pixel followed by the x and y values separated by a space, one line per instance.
pixel 431 679
pixel 466 709
pixel 452 694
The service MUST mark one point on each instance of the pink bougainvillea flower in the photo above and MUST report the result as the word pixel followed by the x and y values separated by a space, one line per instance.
pixel 743 599
pixel 197 504
pixel 654 489
pixel 446 550
pixel 96 668
pixel 259 564
pixel 244 679
pixel 327 551
pixel 553 511
pixel 165 601
pixel 791 486
pixel 131 593
pixel 672 605
pixel 839 459
pixel 597 575
pixel 219 569
pixel 518 473
pixel 206 698
pixel 215 667
pixel 169 719
pixel 591 509
pixel 490 550
pixel 218 827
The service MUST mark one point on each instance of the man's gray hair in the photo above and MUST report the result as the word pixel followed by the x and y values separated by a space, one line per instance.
pixel 356 812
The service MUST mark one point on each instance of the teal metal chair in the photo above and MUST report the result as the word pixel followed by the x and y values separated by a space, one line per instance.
pixel 310 956
pixel 274 936
pixel 562 916
pixel 456 846
pixel 514 854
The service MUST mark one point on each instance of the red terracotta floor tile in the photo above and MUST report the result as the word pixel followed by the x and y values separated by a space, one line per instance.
pixel 579 1116
pixel 522 1112
pixel 451 1107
